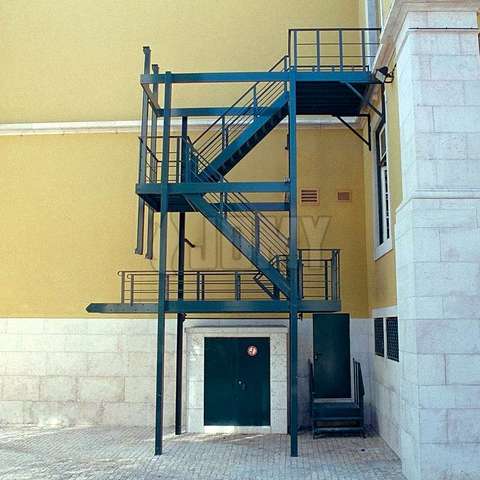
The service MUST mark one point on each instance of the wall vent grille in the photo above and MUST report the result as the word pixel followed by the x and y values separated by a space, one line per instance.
pixel 392 338
pixel 309 196
pixel 344 196
pixel 379 337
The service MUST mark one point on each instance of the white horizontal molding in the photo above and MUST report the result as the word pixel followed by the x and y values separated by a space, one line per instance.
pixel 385 311
pixel 440 194
pixel 133 126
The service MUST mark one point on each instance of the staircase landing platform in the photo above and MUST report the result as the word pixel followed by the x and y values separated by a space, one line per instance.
pixel 214 306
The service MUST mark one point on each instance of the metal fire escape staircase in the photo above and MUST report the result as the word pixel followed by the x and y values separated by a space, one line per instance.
pixel 331 73
pixel 326 72
pixel 214 154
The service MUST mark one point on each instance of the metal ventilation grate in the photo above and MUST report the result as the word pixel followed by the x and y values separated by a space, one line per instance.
pixel 344 196
pixel 309 196
pixel 392 338
pixel 379 338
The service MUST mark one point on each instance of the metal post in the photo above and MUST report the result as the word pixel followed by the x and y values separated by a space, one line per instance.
pixel 181 290
pixel 292 262
pixel 276 291
pixel 153 169
pixel 300 276
pixel 335 275
pixel 364 55
pixel 340 49
pixel 295 53
pixel 238 282
pixel 325 277
pixel 142 157
pixel 162 265
pixel 132 288
pixel 257 233
pixel 122 292
pixel 223 133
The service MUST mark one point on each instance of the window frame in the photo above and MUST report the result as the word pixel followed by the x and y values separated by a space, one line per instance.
pixel 382 192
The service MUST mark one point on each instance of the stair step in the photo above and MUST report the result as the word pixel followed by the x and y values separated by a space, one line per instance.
pixel 320 430
pixel 338 429
pixel 259 129
pixel 336 419
pixel 336 412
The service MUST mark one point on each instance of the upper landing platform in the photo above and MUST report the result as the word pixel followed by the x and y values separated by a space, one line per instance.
pixel 331 69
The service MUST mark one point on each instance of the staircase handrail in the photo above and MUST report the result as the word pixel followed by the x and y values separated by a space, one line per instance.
pixel 223 126
pixel 280 243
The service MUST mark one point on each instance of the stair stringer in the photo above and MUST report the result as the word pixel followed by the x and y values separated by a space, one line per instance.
pixel 246 141
pixel 239 241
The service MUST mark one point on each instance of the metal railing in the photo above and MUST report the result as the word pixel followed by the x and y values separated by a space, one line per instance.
pixel 319 269
pixel 332 49
pixel 152 170
pixel 229 126
pixel 318 279
pixel 252 224
pixel 309 49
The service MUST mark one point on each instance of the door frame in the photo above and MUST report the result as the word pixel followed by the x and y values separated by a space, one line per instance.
pixel 349 347
pixel 195 361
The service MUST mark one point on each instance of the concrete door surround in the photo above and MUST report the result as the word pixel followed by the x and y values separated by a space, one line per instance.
pixel 195 340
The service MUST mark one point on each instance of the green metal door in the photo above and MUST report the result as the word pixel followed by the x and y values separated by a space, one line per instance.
pixel 237 381
pixel 331 355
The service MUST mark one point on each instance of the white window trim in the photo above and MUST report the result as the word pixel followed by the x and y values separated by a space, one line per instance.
pixel 381 249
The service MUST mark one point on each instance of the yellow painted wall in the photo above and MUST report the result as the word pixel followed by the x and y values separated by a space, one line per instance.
pixel 381 272
pixel 69 217
pixel 68 203
pixel 386 7
pixel 80 60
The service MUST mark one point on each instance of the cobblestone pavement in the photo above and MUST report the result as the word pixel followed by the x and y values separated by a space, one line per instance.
pixel 118 453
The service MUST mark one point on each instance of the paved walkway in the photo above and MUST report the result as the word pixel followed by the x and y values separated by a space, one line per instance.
pixel 103 453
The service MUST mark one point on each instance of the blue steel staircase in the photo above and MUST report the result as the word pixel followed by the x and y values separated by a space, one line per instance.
pixel 255 236
pixel 326 72
pixel 338 417
pixel 258 111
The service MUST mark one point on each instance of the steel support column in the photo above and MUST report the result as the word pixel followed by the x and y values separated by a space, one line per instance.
pixel 142 158
pixel 180 315
pixel 293 263
pixel 153 173
pixel 162 267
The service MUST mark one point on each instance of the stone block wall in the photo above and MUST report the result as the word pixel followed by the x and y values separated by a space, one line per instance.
pixel 385 386
pixel 98 371
pixel 437 247
pixel 360 349
pixel 101 371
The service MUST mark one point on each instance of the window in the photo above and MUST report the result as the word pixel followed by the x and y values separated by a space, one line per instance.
pixel 379 337
pixel 383 220
pixel 392 338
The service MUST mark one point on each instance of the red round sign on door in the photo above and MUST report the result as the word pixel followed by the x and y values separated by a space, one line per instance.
pixel 252 350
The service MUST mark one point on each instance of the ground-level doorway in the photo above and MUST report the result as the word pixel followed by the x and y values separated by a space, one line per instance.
pixel 331 355
pixel 237 381
pixel 236 376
